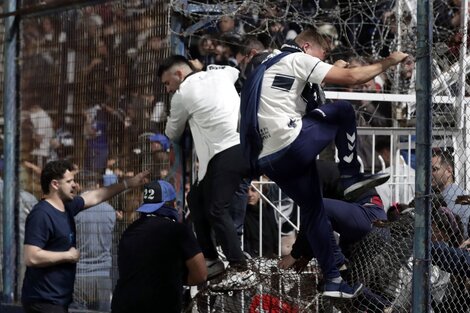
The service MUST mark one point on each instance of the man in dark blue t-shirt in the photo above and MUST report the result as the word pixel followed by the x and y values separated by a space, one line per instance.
pixel 50 252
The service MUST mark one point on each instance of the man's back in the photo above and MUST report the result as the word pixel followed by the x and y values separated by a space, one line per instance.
pixel 94 239
pixel 210 103
pixel 281 107
pixel 151 257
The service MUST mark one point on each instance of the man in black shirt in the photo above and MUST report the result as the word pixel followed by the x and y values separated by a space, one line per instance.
pixel 156 256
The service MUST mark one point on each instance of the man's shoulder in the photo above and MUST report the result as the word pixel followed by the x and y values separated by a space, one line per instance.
pixel 41 206
pixel 75 205
pixel 453 190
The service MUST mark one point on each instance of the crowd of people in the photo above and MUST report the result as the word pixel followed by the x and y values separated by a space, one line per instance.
pixel 113 74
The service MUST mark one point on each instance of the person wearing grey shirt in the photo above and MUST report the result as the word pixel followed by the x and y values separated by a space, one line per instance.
pixel 443 182
pixel 93 284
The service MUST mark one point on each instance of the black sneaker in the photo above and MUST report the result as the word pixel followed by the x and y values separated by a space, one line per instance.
pixel 341 290
pixel 362 183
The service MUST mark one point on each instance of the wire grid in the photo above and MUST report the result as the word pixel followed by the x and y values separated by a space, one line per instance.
pixel 89 92
pixel 381 262
pixel 54 74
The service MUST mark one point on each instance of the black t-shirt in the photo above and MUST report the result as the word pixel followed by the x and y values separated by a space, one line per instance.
pixel 52 230
pixel 270 233
pixel 151 259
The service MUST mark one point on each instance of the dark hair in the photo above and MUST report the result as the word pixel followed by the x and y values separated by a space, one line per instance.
pixel 250 43
pixel 382 142
pixel 169 62
pixel 54 170
pixel 448 222
pixel 445 156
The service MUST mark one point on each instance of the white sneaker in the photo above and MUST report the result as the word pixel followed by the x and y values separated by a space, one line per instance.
pixel 215 267
pixel 236 279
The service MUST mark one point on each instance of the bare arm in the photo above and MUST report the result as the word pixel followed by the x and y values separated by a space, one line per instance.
pixel 359 75
pixel 286 262
pixel 197 270
pixel 36 169
pixel 99 195
pixel 37 257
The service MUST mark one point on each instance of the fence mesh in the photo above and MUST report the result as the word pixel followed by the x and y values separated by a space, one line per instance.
pixel 88 92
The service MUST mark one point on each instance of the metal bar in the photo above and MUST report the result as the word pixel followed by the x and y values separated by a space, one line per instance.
pixel 387 97
pixel 48 8
pixel 421 282
pixel 10 190
pixel 461 164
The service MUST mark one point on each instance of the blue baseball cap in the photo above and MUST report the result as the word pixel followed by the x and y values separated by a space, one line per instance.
pixel 162 139
pixel 155 195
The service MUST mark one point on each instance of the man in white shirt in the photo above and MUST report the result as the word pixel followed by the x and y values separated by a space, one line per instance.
pixel 293 137
pixel 210 103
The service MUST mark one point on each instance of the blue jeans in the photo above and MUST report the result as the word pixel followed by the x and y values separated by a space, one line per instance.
pixel 294 171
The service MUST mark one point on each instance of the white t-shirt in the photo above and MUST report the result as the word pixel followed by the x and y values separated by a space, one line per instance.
pixel 210 102
pixel 281 106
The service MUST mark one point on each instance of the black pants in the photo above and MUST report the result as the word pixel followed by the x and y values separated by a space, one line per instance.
pixel 42 307
pixel 210 202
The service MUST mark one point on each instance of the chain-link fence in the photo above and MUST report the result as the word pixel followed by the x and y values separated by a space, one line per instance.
pixel 88 92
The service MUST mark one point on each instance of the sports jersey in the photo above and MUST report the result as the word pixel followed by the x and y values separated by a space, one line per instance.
pixel 281 107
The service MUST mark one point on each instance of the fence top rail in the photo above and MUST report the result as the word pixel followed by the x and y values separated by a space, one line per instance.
pixel 387 97
pixel 439 131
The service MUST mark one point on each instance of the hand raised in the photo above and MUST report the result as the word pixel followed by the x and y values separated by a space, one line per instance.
pixel 139 179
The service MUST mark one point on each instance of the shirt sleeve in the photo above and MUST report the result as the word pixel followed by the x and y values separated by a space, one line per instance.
pixel 309 68
pixel 75 206
pixel 179 115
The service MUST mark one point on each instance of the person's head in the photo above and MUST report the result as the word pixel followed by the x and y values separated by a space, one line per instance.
pixel 249 48
pixel 159 142
pixel 442 164
pixel 206 45
pixel 226 24
pixel 368 86
pixel 58 177
pixel 86 180
pixel 173 71
pixel 156 195
pixel 330 32
pixel 382 147
pixel 312 43
pixel 253 195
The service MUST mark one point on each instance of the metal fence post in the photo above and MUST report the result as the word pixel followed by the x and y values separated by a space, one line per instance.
pixel 10 190
pixel 421 251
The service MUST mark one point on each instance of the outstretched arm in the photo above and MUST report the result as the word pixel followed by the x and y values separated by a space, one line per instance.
pixel 99 195
pixel 358 75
